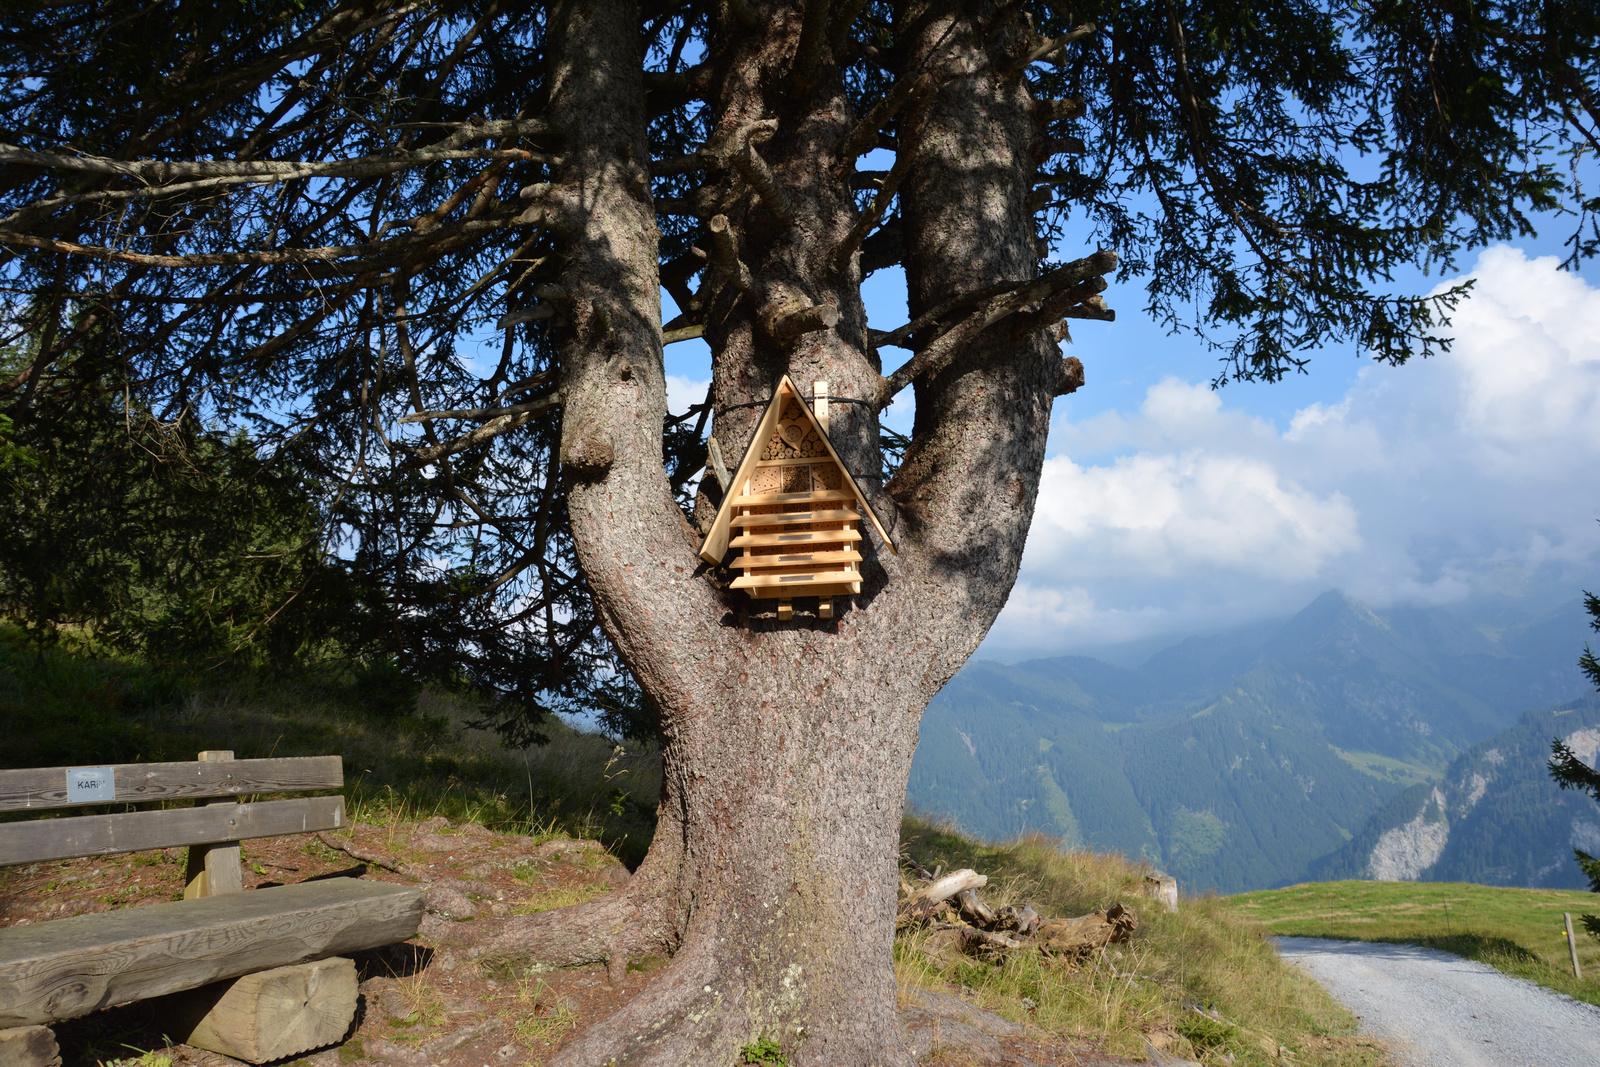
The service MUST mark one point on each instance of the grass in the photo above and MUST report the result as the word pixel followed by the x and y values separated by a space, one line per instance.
pixel 403 762
pixel 1201 957
pixel 408 762
pixel 1518 931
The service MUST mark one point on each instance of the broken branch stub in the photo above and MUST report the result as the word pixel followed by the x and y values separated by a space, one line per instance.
pixel 785 318
pixel 927 900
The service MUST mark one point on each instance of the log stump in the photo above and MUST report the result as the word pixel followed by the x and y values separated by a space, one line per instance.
pixel 267 1015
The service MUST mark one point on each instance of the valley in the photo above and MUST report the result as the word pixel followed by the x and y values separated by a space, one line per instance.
pixel 1277 753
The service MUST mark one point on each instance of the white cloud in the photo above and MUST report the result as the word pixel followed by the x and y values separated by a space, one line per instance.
pixel 683 393
pixel 1469 472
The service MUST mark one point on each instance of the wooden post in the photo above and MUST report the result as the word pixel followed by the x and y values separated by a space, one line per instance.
pixel 1572 946
pixel 214 869
pixel 819 403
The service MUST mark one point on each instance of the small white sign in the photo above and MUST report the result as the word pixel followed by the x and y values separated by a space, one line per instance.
pixel 90 785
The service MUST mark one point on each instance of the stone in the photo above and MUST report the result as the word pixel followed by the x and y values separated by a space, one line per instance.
pixel 377 1048
pixel 945 1006
pixel 448 901
pixel 926 1034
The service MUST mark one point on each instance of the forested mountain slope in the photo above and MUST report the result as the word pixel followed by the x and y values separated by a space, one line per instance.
pixel 1241 760
pixel 1495 818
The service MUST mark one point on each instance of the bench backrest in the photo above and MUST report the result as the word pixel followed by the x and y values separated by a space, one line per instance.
pixel 53 788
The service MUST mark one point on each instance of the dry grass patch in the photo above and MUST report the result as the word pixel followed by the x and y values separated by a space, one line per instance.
pixel 1200 980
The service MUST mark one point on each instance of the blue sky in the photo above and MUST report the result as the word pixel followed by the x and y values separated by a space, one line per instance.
pixel 1167 508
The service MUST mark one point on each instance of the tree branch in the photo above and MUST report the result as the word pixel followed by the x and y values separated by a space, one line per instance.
pixel 194 261
pixel 938 353
pixel 488 431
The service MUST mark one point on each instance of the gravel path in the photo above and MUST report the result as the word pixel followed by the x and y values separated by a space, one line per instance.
pixel 1439 1010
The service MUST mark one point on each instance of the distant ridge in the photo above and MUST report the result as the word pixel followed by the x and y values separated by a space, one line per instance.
pixel 1245 759
pixel 1495 818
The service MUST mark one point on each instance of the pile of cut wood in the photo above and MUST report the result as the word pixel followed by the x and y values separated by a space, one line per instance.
pixel 949 904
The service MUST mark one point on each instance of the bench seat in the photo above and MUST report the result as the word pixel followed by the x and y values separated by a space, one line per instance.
pixel 69 967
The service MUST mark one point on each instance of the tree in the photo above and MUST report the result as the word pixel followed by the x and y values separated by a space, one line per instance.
pixel 302 218
pixel 1571 772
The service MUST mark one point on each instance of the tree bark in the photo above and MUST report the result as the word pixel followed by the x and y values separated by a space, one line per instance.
pixel 787 745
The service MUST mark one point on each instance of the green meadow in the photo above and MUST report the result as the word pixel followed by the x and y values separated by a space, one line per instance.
pixel 1518 931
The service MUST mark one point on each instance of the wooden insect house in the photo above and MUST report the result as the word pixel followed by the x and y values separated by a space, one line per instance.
pixel 792 511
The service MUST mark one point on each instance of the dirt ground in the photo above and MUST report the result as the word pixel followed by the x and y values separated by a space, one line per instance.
pixel 424 1003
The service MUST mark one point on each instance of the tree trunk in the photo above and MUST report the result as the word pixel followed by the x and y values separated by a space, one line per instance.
pixel 787 745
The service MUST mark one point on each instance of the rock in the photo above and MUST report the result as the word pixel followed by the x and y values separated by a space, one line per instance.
pixel 926 1033
pixel 945 1006
pixel 446 900
pixel 466 1006
pixel 391 1003
pixel 423 842
pixel 1158 1058
pixel 438 822
pixel 443 931
pixel 472 829
pixel 615 875
pixel 377 1048
pixel 448 1042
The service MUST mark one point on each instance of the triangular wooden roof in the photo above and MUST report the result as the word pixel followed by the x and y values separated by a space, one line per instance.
pixel 715 547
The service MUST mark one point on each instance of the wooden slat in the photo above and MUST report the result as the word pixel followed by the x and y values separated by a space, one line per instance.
pixel 799 537
pixel 101 835
pixel 788 517
pixel 791 461
pixel 68 967
pixel 795 584
pixel 795 559
pixel 805 589
pixel 759 499
pixel 137 783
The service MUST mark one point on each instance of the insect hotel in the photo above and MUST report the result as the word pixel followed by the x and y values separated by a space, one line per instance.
pixel 792 510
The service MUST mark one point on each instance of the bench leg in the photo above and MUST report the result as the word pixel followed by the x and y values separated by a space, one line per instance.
pixel 213 869
pixel 267 1015
pixel 29 1046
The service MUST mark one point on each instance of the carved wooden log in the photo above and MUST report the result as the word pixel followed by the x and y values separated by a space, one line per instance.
pixel 926 901
pixel 1086 933
pixel 29 1046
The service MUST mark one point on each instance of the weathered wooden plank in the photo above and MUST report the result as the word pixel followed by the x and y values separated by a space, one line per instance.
pixel 100 835
pixel 29 1046
pixel 267 1015
pixel 138 783
pixel 68 967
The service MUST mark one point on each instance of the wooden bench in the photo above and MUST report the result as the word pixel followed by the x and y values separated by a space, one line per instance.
pixel 281 946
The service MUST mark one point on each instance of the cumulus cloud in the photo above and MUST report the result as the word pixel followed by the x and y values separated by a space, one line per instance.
pixel 683 393
pixel 1474 471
